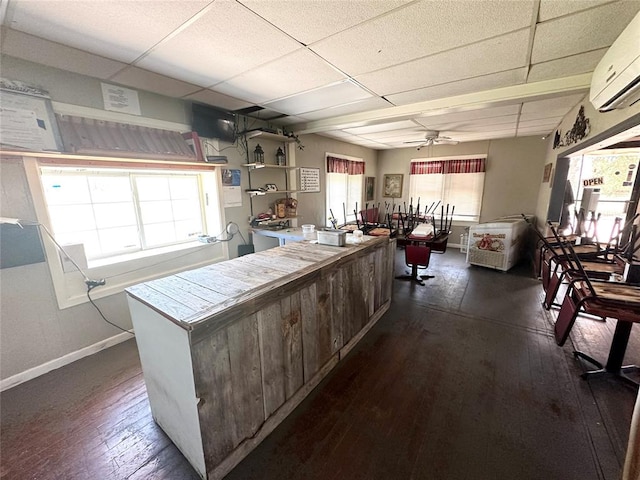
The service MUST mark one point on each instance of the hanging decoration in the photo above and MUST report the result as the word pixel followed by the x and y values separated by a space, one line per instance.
pixel 579 131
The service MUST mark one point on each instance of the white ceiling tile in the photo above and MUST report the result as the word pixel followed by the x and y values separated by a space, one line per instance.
pixel 588 30
pixel 528 132
pixel 543 123
pixel 337 94
pixel 396 135
pixel 552 104
pixel 383 127
pixel 422 28
pixel 218 99
pixel 460 87
pixel 34 49
pixel 564 67
pixel 505 53
pixel 220 44
pixel 146 80
pixel 548 116
pixel 372 103
pixel 480 125
pixel 288 75
pixel 311 21
pixel 290 120
pixel 554 8
pixel 118 29
pixel 469 115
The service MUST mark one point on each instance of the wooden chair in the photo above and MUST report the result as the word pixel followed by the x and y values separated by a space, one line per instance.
pixel 618 301
pixel 416 256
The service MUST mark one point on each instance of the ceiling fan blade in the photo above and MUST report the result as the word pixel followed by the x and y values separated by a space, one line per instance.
pixel 445 141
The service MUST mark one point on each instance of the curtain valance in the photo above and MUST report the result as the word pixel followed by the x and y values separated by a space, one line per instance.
pixel 342 165
pixel 467 165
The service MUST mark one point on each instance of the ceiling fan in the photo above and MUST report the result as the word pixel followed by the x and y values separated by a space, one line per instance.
pixel 432 137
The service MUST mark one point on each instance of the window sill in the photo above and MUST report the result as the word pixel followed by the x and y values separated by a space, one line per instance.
pixel 128 257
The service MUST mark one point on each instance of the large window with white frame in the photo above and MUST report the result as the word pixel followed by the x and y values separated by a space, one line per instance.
pixel 114 212
pixel 457 182
pixel 345 179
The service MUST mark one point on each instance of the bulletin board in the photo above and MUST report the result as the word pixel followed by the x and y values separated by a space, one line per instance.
pixel 28 121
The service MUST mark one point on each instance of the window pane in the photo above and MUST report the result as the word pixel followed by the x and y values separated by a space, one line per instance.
pixel 188 229
pixel 114 215
pixel 114 240
pixel 156 212
pixel 110 189
pixel 186 209
pixel 71 218
pixel 184 187
pixel 153 188
pixel 65 189
pixel 337 197
pixel 159 234
pixel 464 190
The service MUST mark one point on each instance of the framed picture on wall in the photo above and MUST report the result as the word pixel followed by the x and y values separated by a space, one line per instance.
pixel 369 188
pixel 392 185
pixel 546 176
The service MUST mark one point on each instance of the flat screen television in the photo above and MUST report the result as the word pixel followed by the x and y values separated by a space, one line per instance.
pixel 210 122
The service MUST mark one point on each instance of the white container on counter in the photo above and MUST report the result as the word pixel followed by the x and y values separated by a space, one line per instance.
pixel 308 232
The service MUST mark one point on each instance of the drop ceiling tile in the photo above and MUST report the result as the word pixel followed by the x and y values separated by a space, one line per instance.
pixel 469 137
pixel 469 85
pixel 396 135
pixel 118 29
pixel 311 21
pixel 372 103
pixel 552 117
pixel 582 32
pixel 497 54
pixel 564 67
pixel 476 125
pixel 552 104
pixel 290 120
pixel 383 127
pixel 288 75
pixel 421 29
pixel 38 50
pixel 217 99
pixel 218 45
pixel 469 115
pixel 553 8
pixel 543 123
pixel 336 94
pixel 146 80
pixel 531 131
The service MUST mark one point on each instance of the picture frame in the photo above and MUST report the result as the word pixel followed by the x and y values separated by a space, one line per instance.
pixel 392 185
pixel 369 188
pixel 271 187
pixel 546 176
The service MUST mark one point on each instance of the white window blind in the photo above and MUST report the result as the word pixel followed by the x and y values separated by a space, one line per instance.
pixel 458 182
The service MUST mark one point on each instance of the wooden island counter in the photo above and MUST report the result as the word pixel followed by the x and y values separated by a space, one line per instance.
pixel 229 350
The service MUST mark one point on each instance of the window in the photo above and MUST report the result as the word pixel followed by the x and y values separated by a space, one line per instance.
pixel 345 178
pixel 457 182
pixel 114 212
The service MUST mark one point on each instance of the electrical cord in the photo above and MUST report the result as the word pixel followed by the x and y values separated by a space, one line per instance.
pixel 91 287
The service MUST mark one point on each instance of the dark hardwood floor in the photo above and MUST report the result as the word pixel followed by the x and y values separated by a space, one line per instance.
pixel 461 379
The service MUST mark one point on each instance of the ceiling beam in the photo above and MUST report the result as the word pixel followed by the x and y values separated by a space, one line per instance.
pixel 489 98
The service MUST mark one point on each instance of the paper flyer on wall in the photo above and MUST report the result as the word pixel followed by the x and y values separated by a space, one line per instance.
pixel 231 192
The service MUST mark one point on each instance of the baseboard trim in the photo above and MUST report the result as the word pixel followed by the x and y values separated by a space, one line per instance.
pixel 34 372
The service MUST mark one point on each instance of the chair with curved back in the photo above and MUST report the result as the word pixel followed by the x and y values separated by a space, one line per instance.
pixel 416 256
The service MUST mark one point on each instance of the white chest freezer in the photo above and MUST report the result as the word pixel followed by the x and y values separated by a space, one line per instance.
pixel 497 244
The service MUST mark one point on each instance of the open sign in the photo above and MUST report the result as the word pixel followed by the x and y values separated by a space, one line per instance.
pixel 590 182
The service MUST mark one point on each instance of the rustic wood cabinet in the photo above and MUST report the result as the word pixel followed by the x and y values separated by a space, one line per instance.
pixel 229 350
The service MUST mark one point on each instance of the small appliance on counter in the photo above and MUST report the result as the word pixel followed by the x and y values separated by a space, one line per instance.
pixel 328 236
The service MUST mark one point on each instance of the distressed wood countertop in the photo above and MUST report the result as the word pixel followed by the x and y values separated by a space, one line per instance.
pixel 195 298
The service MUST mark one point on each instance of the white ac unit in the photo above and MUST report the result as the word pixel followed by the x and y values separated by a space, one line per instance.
pixel 616 79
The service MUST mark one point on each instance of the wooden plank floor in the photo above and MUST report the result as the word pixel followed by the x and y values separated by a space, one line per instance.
pixel 461 379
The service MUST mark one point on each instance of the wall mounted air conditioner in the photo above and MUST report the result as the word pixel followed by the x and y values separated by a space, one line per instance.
pixel 616 79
